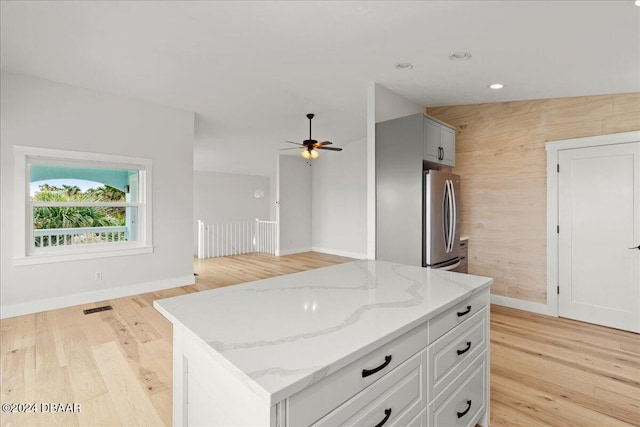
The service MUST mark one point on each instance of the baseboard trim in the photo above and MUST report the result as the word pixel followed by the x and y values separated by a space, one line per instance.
pixel 356 255
pixel 294 251
pixel 534 307
pixel 13 310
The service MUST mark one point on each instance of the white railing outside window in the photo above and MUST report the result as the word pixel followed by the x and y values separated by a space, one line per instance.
pixel 216 240
pixel 79 236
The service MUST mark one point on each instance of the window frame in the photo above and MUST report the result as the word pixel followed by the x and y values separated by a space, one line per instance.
pixel 25 252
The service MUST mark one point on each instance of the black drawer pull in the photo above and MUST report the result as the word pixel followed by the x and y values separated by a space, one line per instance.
pixel 367 372
pixel 463 413
pixel 462 313
pixel 387 414
pixel 465 350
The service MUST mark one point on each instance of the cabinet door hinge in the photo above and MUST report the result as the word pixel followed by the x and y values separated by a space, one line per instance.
pixel 558 229
pixel 558 290
pixel 558 167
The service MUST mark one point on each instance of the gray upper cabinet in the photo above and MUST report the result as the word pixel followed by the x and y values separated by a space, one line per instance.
pixel 448 144
pixel 439 142
pixel 431 139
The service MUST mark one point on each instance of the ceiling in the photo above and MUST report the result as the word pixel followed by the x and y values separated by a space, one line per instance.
pixel 252 70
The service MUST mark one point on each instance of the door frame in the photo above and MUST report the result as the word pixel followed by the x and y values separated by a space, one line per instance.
pixel 553 150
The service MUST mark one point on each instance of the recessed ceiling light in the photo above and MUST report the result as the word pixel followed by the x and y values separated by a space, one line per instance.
pixel 460 56
pixel 404 66
pixel 637 2
pixel 496 86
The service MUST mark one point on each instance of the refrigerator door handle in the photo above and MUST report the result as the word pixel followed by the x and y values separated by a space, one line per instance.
pixel 445 216
pixel 449 187
pixel 454 215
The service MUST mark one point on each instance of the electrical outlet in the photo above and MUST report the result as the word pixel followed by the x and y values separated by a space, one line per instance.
pixel 98 275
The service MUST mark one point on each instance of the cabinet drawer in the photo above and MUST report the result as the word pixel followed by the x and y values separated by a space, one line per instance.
pixel 397 398
pixel 317 400
pixel 420 420
pixel 464 401
pixel 451 318
pixel 455 350
pixel 464 244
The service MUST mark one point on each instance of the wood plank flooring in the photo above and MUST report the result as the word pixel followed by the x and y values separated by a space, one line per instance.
pixel 117 364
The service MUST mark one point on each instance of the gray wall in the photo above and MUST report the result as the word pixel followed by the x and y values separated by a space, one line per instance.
pixel 40 113
pixel 339 201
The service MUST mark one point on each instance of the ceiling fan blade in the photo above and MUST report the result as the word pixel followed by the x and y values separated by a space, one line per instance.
pixel 297 143
pixel 319 144
pixel 329 148
pixel 294 148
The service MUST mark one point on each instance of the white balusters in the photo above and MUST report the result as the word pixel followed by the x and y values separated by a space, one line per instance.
pixel 215 240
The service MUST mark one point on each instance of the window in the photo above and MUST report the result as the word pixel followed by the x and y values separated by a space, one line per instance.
pixel 81 205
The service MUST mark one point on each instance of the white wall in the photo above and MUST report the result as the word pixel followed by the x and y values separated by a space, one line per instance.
pixel 224 197
pixel 294 204
pixel 382 104
pixel 339 201
pixel 40 113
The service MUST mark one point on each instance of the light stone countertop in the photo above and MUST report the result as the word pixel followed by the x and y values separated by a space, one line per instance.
pixel 283 334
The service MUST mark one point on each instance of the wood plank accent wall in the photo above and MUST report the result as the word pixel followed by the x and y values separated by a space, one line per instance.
pixel 501 158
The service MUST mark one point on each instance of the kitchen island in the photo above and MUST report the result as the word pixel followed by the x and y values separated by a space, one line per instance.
pixel 362 343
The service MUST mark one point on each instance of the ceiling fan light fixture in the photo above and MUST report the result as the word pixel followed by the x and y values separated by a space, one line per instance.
pixel 312 146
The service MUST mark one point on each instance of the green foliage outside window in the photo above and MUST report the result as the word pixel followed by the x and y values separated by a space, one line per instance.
pixel 48 217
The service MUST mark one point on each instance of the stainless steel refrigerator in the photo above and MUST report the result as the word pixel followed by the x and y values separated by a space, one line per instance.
pixel 441 220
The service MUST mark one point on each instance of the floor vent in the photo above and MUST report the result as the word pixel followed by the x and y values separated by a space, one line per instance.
pixel 97 309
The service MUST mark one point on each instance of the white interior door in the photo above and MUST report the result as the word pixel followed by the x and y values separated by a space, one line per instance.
pixel 599 219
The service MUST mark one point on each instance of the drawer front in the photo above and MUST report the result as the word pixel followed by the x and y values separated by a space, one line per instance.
pixel 396 398
pixel 451 318
pixel 464 401
pixel 317 400
pixel 455 350
pixel 463 254
pixel 420 420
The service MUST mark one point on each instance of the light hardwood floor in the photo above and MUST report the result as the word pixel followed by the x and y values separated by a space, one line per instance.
pixel 117 364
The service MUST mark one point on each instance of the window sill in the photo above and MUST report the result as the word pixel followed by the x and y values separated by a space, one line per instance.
pixel 88 253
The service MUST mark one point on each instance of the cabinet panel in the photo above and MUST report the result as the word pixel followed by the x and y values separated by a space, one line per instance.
pixel 464 253
pixel 446 321
pixel 464 401
pixel 448 144
pixel 397 398
pixel 420 420
pixel 432 141
pixel 399 153
pixel 315 401
pixel 453 352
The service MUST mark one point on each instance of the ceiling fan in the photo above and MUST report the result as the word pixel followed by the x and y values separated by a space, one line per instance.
pixel 311 146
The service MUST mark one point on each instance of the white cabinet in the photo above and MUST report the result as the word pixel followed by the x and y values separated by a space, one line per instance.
pixel 397 346
pixel 439 142
pixel 438 371
pixel 317 400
